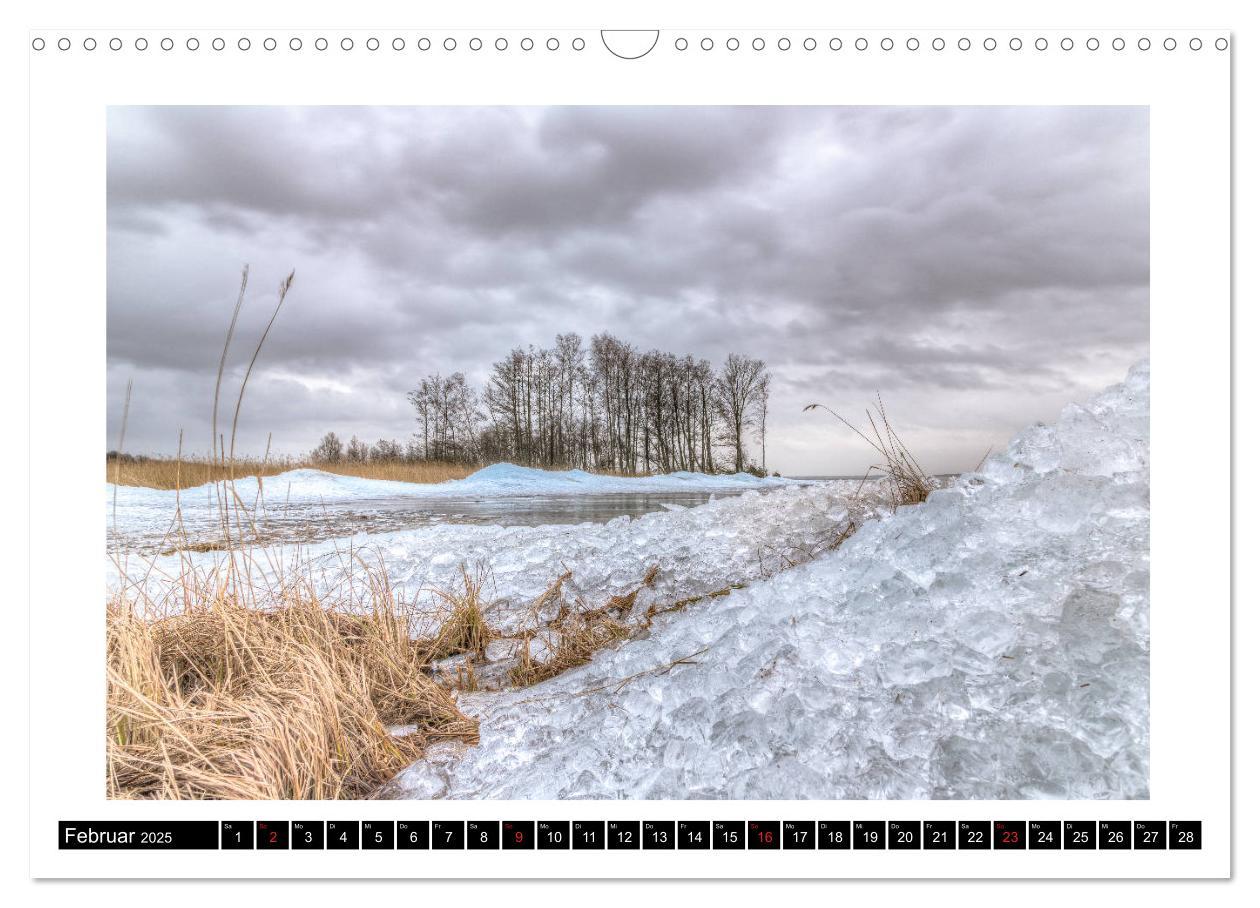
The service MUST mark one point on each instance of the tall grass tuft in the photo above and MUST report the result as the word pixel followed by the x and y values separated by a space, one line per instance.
pixel 909 482
pixel 464 629
pixel 281 698
pixel 576 633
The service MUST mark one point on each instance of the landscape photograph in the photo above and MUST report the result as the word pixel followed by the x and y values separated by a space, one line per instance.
pixel 627 453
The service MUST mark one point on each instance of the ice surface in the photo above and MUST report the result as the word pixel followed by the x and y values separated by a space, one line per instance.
pixel 992 642
pixel 694 550
pixel 137 514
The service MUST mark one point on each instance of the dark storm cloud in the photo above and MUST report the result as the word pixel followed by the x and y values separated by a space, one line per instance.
pixel 980 266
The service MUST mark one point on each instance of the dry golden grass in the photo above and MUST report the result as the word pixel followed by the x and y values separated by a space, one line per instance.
pixel 279 697
pixel 176 473
pixel 577 633
pixel 464 630
pixel 399 471
pixel 579 638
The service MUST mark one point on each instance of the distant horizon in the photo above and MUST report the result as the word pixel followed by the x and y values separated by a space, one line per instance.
pixel 979 268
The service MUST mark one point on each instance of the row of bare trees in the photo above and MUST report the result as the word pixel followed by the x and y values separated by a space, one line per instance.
pixel 606 406
pixel 331 449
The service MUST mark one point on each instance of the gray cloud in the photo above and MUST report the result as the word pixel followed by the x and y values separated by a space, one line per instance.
pixel 979 266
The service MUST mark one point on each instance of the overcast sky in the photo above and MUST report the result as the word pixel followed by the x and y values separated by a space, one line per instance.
pixel 980 267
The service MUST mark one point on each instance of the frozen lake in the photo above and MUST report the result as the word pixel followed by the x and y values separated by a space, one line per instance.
pixel 315 521
pixel 311 505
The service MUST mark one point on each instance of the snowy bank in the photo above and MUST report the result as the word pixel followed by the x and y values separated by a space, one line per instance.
pixel 145 518
pixel 499 480
pixel 990 643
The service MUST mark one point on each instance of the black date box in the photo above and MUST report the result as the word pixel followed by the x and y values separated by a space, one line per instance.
pixel 1115 835
pixel 728 834
pixel 1010 835
pixel 518 835
pixel 588 835
pixel 272 834
pixel 801 835
pixel 905 835
pixel 1150 834
pixel 764 834
pixel 625 834
pixel 1185 834
pixel 483 835
pixel 975 835
pixel 835 834
pixel 554 835
pixel 870 835
pixel 940 835
pixel 695 835
pixel 1080 835
pixel 307 835
pixel 378 834
pixel 1045 835
pixel 660 835
pixel 236 834
pixel 447 835
pixel 343 834
pixel 413 834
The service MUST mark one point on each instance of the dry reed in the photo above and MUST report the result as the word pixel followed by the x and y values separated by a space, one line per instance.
pixel 576 633
pixel 464 630
pixel 909 482
pixel 289 697
pixel 183 473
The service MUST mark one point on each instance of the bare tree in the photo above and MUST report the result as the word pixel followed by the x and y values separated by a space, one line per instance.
pixel 356 451
pixel 762 407
pixel 386 449
pixel 736 393
pixel 328 450
pixel 447 418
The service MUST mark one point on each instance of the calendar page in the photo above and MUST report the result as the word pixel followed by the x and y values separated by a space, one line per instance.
pixel 774 450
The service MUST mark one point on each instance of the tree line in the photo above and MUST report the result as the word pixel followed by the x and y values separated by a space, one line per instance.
pixel 602 406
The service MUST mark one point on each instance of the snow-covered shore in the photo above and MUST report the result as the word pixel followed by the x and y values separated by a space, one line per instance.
pixel 301 499
pixel 990 643
pixel 498 480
